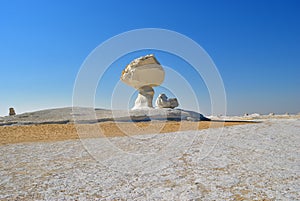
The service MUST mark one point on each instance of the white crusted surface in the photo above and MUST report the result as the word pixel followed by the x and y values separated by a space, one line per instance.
pixel 255 161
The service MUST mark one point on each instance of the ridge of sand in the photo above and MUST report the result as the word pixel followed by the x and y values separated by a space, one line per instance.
pixel 60 132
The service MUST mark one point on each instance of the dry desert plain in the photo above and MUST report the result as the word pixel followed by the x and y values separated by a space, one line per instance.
pixel 178 160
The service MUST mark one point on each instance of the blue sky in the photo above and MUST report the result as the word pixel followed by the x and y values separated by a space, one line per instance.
pixel 254 44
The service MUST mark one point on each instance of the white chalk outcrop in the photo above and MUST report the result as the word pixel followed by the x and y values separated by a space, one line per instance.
pixel 143 73
pixel 163 101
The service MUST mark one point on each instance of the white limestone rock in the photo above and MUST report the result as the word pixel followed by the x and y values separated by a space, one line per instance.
pixel 143 71
pixel 142 74
pixel 163 101
pixel 144 99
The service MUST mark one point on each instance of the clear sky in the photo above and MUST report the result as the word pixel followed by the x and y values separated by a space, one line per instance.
pixel 255 45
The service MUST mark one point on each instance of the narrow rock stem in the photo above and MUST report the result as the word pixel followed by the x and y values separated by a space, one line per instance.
pixel 144 99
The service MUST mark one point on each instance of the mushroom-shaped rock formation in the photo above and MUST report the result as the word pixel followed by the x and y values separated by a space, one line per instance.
pixel 162 101
pixel 143 74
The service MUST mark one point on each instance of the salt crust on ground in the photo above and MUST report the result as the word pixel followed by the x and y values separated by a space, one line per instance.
pixel 253 161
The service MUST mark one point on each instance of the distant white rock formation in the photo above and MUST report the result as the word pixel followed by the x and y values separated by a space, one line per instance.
pixel 162 101
pixel 254 115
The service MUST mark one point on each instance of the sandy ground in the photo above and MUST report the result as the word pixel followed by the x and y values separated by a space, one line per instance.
pixel 59 132
pixel 244 162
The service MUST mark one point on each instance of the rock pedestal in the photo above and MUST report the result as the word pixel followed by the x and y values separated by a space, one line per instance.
pixel 144 99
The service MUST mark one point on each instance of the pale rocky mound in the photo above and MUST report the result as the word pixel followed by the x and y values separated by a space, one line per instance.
pixel 91 115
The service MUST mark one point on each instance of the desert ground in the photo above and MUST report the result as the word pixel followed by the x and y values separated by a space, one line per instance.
pixel 59 132
pixel 171 160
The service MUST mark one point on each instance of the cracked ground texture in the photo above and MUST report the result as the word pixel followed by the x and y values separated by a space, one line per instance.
pixel 245 162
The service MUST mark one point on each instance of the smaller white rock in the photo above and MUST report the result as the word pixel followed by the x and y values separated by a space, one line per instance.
pixel 162 101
